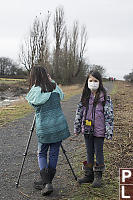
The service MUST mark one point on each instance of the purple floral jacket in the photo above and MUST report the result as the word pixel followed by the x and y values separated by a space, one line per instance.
pixel 108 118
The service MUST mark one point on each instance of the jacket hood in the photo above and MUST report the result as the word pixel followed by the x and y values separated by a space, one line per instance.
pixel 36 97
pixel 101 97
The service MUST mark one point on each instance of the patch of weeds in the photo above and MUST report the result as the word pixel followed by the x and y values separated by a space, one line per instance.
pixel 115 88
pixel 10 113
pixel 3 87
pixel 110 186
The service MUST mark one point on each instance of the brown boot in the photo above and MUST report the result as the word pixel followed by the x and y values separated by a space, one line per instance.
pixel 88 173
pixel 98 171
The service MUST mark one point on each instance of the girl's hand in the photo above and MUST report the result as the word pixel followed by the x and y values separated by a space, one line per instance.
pixel 76 134
pixel 49 77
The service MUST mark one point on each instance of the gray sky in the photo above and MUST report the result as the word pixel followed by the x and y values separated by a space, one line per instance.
pixel 109 25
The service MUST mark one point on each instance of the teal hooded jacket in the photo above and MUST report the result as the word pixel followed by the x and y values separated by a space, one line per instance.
pixel 51 124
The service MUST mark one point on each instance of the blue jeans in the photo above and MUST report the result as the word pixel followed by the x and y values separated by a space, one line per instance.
pixel 94 145
pixel 53 154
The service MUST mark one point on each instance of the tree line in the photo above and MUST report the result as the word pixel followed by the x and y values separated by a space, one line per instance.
pixel 9 68
pixel 129 77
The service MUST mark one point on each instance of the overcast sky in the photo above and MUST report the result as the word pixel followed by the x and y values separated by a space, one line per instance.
pixel 109 25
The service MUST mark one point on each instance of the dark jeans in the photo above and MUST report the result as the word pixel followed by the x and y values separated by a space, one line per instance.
pixel 53 155
pixel 94 145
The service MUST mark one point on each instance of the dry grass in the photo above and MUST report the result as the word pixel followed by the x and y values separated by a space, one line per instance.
pixel 71 90
pixel 14 111
pixel 11 81
pixel 121 146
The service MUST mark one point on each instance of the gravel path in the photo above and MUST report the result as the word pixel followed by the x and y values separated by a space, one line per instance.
pixel 14 137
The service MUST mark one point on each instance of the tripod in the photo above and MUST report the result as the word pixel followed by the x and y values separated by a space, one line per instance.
pixel 26 150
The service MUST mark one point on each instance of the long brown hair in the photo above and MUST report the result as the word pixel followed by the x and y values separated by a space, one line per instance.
pixel 87 92
pixel 39 77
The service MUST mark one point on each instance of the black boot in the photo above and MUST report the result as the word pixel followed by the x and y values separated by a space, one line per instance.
pixel 47 176
pixel 98 171
pixel 89 174
pixel 39 185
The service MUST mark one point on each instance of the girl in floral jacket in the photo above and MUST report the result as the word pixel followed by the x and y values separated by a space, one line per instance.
pixel 94 118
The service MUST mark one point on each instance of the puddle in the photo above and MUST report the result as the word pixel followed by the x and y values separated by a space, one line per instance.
pixel 6 100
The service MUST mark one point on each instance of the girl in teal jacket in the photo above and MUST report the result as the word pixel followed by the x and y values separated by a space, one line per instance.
pixel 51 125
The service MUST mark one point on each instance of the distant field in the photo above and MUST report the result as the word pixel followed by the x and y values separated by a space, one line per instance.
pixel 11 81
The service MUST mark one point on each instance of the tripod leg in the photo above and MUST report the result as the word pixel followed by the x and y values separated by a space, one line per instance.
pixel 26 150
pixel 69 162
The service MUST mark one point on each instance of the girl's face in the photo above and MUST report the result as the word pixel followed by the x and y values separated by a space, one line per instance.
pixel 93 83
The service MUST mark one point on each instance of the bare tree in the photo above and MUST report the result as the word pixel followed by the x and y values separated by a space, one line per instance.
pixel 5 65
pixel 36 49
pixel 59 30
pixel 75 46
pixel 98 68
pixel 64 57
pixel 43 45
pixel 83 41
pixel 71 64
pixel 67 61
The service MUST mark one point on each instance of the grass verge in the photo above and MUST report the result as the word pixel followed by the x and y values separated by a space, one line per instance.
pixel 14 111
pixel 115 88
